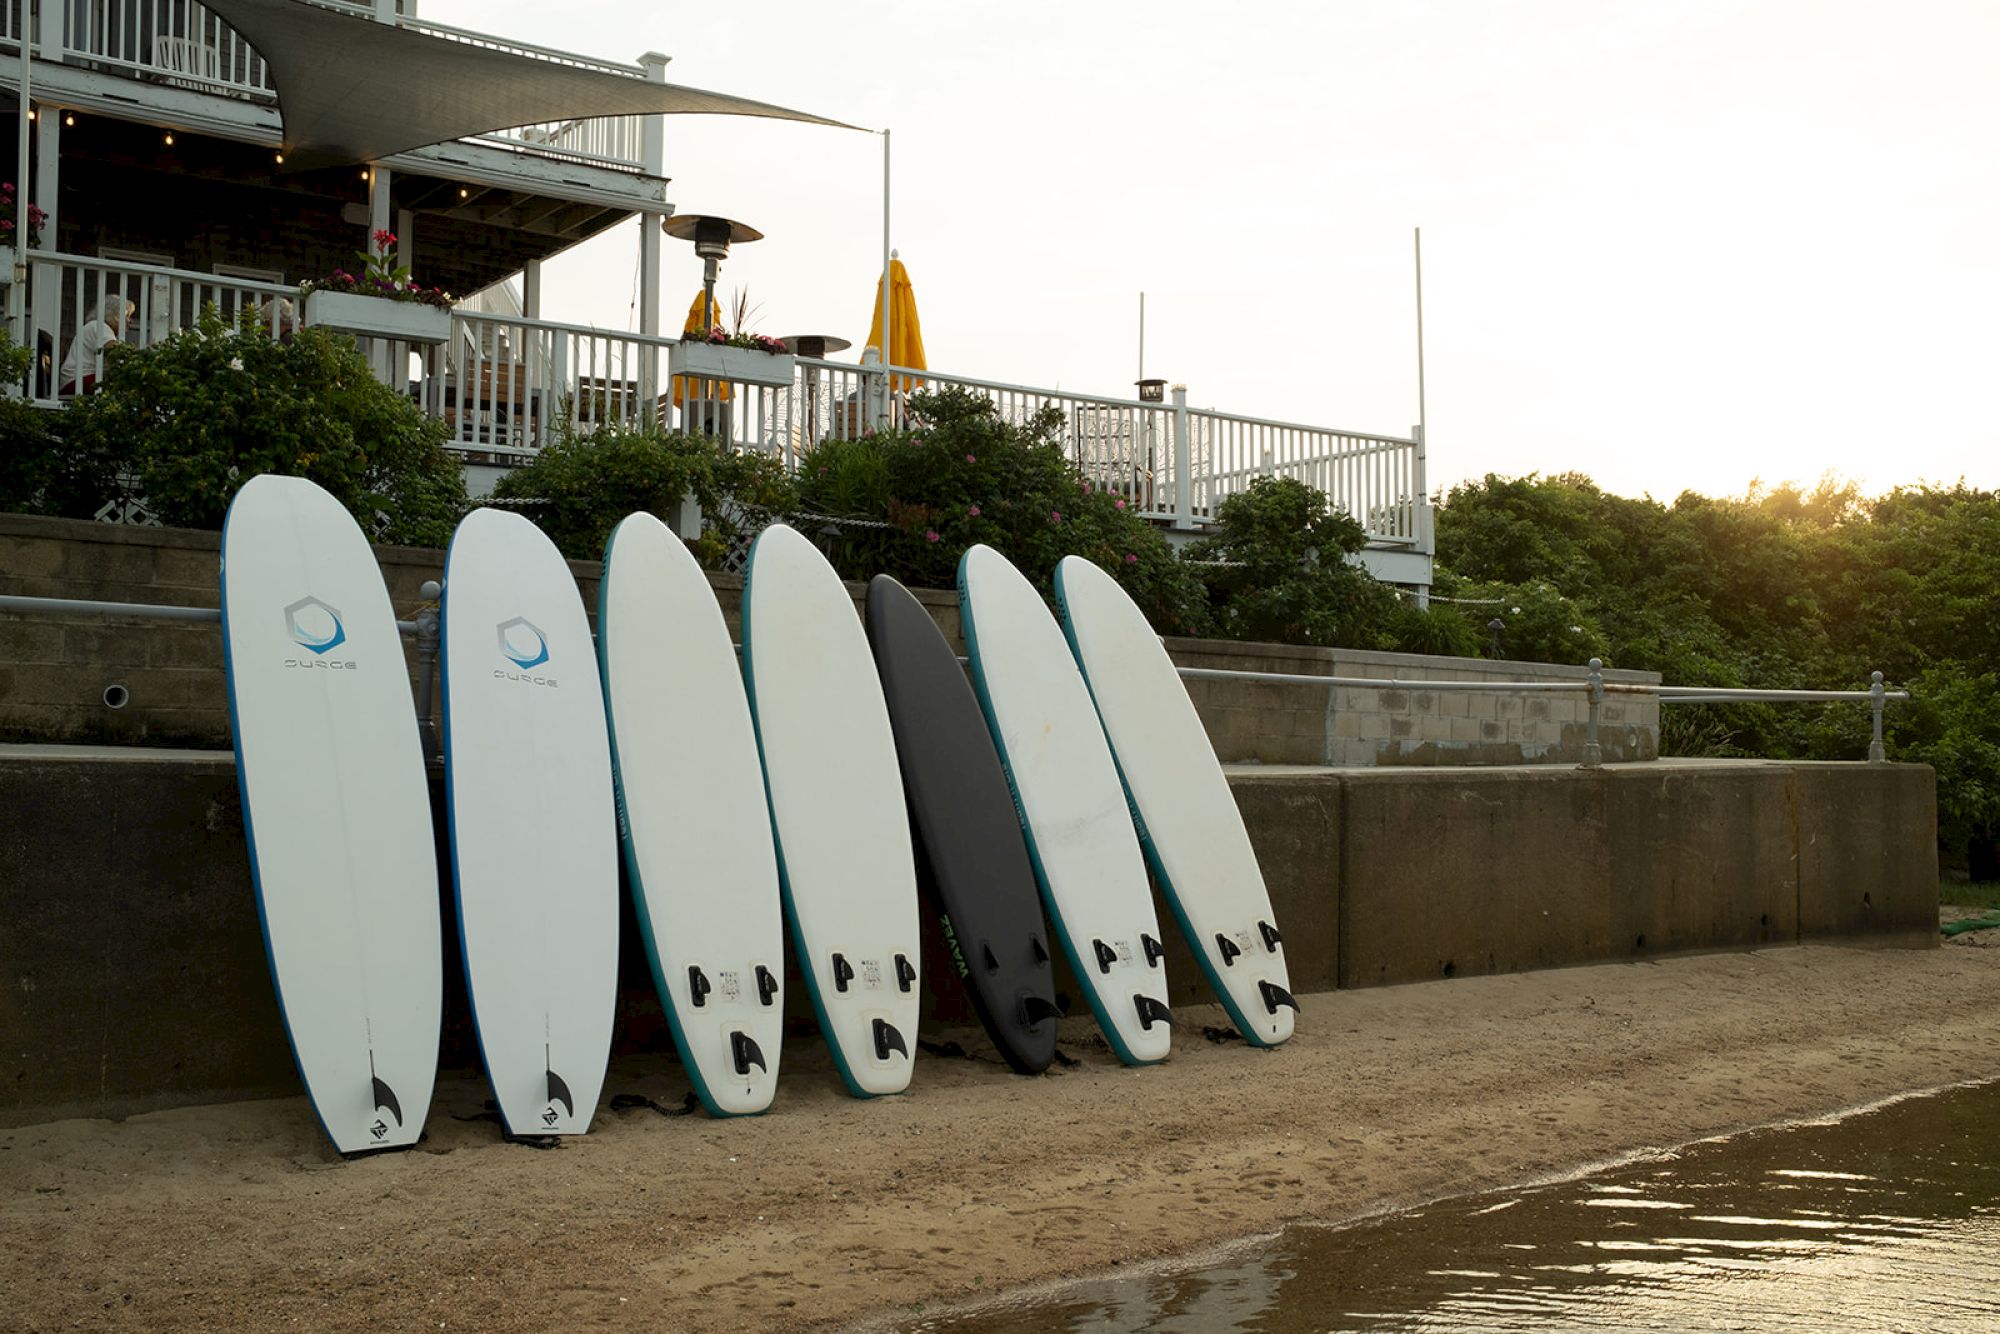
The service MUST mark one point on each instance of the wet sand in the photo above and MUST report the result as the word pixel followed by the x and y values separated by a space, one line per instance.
pixel 832 1211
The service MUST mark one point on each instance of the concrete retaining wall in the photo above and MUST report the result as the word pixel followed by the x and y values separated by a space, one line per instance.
pixel 132 970
pixel 53 673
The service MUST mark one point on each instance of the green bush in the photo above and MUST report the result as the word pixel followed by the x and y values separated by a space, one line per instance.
pixel 196 415
pixel 1442 631
pixel 1278 570
pixel 580 485
pixel 914 500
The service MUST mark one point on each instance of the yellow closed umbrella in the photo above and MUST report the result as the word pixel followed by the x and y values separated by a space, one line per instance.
pixel 687 385
pixel 906 335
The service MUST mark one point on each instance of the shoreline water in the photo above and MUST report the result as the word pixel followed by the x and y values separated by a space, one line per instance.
pixel 829 1211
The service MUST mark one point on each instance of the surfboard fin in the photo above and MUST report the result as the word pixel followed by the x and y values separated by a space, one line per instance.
pixel 1271 936
pixel 1229 949
pixel 559 1092
pixel 743 1049
pixel 1150 1010
pixel 888 1039
pixel 385 1098
pixel 1106 956
pixel 1041 950
pixel 843 972
pixel 698 986
pixel 906 973
pixel 767 984
pixel 1275 996
pixel 1155 951
pixel 1034 1009
pixel 992 960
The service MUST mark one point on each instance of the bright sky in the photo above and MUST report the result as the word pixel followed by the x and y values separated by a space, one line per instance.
pixel 1670 244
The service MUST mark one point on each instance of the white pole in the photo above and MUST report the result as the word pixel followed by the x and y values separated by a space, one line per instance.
pixel 17 303
pixel 1142 335
pixel 1422 420
pixel 885 248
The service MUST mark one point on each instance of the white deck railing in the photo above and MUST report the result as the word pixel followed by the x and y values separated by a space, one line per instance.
pixel 507 385
pixel 181 44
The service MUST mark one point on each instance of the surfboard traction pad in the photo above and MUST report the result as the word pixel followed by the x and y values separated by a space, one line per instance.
pixel 1223 949
pixel 998 944
pixel 1104 955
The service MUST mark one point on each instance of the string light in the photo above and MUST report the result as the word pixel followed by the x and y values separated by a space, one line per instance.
pixel 281 159
pixel 69 119
pixel 464 193
pixel 170 138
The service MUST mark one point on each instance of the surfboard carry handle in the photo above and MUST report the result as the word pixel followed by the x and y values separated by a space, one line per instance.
pixel 888 1039
pixel 843 972
pixel 1106 956
pixel 1271 936
pixel 1150 1009
pixel 906 973
pixel 1228 948
pixel 698 987
pixel 767 985
pixel 743 1049
pixel 1275 995
pixel 1155 951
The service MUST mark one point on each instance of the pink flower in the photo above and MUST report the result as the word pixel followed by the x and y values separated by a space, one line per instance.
pixel 1120 504
pixel 970 459
pixel 384 238
pixel 972 513
pixel 930 535
pixel 1086 488
pixel 1131 558
pixel 1055 516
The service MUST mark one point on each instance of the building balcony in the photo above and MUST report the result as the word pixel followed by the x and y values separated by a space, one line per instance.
pixel 505 386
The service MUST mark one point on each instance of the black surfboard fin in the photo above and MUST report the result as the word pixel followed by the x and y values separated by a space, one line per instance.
pixel 385 1098
pixel 1271 936
pixel 767 984
pixel 698 986
pixel 906 973
pixel 843 972
pixel 1275 996
pixel 888 1039
pixel 1034 1009
pixel 1155 951
pixel 1041 950
pixel 1150 1009
pixel 992 962
pixel 1106 956
pixel 559 1092
pixel 1229 948
pixel 743 1049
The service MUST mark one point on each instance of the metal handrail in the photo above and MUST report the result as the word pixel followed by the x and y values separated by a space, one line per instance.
pixel 426 629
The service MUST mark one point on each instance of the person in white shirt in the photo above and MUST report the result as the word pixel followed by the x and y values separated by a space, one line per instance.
pixel 84 359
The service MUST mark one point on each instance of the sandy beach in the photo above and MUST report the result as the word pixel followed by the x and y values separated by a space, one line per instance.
pixel 829 1211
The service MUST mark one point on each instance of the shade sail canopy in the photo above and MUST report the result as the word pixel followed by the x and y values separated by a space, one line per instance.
pixel 354 90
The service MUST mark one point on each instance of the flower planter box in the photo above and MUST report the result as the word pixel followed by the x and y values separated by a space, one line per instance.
pixel 738 365
pixel 378 317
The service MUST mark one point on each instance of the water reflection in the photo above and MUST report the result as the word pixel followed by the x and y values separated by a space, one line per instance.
pixel 1886 1220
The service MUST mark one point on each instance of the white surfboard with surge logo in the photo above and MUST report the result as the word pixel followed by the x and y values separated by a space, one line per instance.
pixel 335 807
pixel 533 834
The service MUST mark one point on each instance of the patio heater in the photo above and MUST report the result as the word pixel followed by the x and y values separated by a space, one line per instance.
pixel 814 347
pixel 712 238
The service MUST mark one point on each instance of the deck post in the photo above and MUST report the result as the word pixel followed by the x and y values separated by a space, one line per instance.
pixel 653 151
pixel 1183 462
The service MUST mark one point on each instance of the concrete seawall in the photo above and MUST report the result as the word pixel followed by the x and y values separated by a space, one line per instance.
pixel 134 972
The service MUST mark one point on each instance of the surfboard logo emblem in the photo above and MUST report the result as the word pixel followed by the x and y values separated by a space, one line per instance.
pixel 523 644
pixel 314 625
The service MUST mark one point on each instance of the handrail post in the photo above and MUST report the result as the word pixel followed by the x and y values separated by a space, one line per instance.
pixel 1183 462
pixel 429 624
pixel 1593 752
pixel 1877 753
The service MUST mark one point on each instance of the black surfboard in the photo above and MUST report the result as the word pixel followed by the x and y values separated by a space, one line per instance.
pixel 971 858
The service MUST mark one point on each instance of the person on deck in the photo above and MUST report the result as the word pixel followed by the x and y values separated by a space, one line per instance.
pixel 85 357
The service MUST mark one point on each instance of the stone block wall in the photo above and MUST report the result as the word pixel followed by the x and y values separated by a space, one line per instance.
pixel 54 672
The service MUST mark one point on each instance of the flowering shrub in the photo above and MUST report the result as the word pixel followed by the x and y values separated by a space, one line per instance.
pixel 36 217
pixel 379 276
